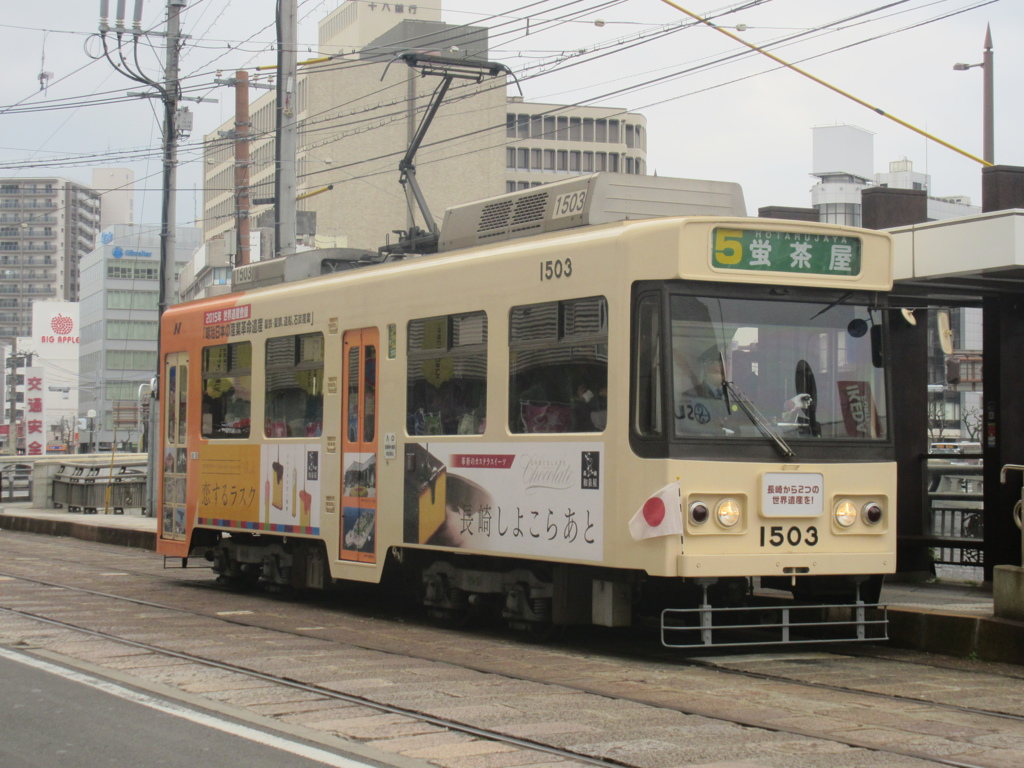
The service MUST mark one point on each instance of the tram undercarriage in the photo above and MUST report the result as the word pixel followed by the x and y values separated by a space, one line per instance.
pixel 541 598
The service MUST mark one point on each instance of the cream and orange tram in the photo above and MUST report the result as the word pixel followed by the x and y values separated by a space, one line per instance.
pixel 571 427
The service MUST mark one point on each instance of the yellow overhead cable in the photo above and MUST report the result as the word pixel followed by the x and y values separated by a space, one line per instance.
pixel 819 81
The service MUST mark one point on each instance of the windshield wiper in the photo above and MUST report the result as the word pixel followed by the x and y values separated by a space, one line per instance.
pixel 758 420
pixel 835 303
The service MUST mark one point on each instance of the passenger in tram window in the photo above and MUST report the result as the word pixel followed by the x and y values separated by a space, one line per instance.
pixel 589 408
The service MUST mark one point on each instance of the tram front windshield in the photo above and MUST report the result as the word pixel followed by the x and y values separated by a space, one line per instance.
pixel 777 368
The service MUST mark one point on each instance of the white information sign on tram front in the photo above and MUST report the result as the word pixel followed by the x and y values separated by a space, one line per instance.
pixel 792 494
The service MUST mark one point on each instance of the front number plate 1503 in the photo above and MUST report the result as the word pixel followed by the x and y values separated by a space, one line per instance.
pixel 792 494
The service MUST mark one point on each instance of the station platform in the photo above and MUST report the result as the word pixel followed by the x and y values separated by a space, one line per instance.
pixel 951 618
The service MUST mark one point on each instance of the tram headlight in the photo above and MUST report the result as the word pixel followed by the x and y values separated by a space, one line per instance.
pixel 699 513
pixel 846 513
pixel 872 513
pixel 727 513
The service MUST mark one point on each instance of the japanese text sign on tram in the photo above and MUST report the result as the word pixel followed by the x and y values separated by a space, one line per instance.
pixel 770 251
pixel 792 494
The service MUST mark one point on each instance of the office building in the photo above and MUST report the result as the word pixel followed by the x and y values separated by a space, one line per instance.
pixel 355 114
pixel 358 112
pixel 119 319
pixel 544 142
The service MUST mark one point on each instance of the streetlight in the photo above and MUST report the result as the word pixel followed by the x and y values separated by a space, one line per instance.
pixel 987 64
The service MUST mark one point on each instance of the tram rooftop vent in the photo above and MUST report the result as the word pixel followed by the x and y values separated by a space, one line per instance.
pixel 583 200
pixel 300 266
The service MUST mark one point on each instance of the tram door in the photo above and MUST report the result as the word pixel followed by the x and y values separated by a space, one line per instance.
pixel 359 446
pixel 174 465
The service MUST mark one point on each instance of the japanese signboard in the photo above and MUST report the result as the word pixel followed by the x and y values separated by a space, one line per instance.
pixel 801 252
pixel 35 412
pixel 545 500
pixel 792 494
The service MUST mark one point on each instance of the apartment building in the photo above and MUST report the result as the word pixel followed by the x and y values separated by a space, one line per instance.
pixel 46 226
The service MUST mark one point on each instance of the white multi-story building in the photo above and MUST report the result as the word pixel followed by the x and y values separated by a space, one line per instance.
pixel 116 187
pixel 119 319
pixel 46 226
pixel 843 162
pixel 546 141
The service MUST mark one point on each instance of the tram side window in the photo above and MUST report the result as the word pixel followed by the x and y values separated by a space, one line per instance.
pixel 447 375
pixel 647 370
pixel 558 366
pixel 294 386
pixel 227 390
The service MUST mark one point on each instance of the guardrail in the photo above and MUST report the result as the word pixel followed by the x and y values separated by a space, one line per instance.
pixel 15 481
pixel 953 523
pixel 88 487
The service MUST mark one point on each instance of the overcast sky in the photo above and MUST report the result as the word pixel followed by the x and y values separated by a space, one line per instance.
pixel 742 120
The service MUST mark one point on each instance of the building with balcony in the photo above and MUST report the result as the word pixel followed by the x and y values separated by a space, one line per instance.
pixel 46 226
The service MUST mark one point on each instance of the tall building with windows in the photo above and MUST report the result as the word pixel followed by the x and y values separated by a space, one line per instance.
pixel 358 111
pixel 46 226
pixel 356 114
pixel 545 142
pixel 119 316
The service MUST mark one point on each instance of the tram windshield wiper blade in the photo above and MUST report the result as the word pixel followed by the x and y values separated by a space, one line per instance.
pixel 758 420
pixel 835 303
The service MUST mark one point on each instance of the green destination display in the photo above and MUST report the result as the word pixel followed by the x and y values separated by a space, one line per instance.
pixel 765 251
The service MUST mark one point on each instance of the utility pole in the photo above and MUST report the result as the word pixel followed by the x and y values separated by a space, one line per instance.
pixel 175 120
pixel 242 136
pixel 169 206
pixel 242 198
pixel 285 180
pixel 12 381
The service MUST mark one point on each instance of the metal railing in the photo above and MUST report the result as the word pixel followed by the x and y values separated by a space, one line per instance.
pixel 15 481
pixel 953 524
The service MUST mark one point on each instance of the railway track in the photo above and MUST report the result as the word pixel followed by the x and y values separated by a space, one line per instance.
pixel 642 682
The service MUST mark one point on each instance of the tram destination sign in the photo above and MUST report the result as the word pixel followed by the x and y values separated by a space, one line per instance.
pixel 755 250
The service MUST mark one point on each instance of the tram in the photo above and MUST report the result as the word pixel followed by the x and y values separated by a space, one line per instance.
pixel 559 421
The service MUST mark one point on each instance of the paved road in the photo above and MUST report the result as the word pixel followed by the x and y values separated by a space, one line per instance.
pixel 54 716
pixel 591 695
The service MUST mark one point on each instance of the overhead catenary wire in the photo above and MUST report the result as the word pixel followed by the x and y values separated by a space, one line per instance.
pixel 194 148
pixel 826 84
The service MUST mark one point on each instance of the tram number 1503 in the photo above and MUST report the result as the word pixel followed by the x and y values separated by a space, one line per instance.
pixel 555 269
pixel 777 535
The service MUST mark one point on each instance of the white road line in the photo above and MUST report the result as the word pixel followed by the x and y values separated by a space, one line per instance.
pixel 235 729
